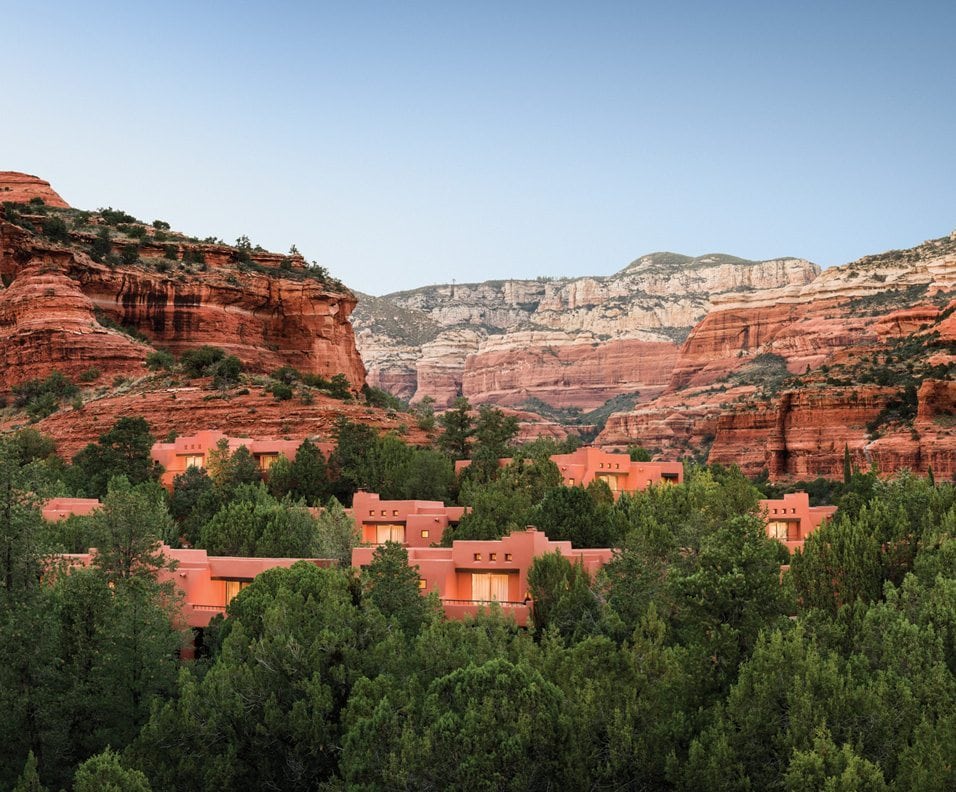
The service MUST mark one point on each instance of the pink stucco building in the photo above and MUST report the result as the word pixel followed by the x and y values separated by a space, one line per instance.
pixel 581 467
pixel 57 509
pixel 413 523
pixel 193 451
pixel 208 583
pixel 791 519
pixel 471 574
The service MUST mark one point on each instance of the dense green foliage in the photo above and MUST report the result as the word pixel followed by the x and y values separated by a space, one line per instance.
pixel 688 662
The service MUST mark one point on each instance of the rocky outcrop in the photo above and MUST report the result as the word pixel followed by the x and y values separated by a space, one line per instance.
pixel 802 434
pixel 57 301
pixel 186 410
pixel 558 340
pixel 23 188
pixel 582 372
pixel 829 334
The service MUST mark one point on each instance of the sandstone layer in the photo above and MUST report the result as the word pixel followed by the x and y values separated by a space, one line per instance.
pixel 23 188
pixel 57 300
pixel 568 342
pixel 884 319
pixel 188 409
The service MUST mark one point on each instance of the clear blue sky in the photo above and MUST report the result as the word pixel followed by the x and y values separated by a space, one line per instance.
pixel 402 144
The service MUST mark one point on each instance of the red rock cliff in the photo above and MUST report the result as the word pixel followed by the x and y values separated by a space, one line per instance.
pixel 266 318
pixel 22 188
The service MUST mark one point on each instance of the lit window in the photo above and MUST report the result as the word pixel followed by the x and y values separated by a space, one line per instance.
pixel 617 466
pixel 193 460
pixel 477 557
pixel 266 461
pixel 233 587
pixel 389 533
pixel 394 512
pixel 507 556
pixel 571 482
pixel 421 583
pixel 489 587
pixel 492 556
pixel 383 512
pixel 371 512
pixel 425 534
pixel 777 530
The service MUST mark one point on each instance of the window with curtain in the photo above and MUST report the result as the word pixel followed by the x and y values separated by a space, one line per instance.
pixel 489 587
pixel 390 532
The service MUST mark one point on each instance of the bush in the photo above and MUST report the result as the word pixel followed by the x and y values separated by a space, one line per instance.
pixel 91 374
pixel 287 374
pixel 55 384
pixel 102 246
pixel 281 391
pixel 160 359
pixel 160 225
pixel 130 255
pixel 171 252
pixel 198 362
pixel 114 217
pixel 55 229
pixel 226 372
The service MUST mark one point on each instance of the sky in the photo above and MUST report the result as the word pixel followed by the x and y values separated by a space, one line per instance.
pixel 401 144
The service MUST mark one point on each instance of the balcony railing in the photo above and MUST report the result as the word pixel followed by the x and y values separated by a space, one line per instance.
pixel 502 603
pixel 210 608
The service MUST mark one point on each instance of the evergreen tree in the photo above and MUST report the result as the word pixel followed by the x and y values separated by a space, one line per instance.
pixel 458 428
pixel 392 586
pixel 105 773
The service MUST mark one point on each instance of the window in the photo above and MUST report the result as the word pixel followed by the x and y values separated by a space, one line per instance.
pixel 266 461
pixel 394 512
pixel 233 587
pixel 492 556
pixel 507 556
pixel 777 530
pixel 389 532
pixel 421 583
pixel 489 587
pixel 425 534
pixel 193 460
pixel 477 556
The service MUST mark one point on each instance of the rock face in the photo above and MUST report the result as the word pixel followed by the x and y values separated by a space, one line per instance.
pixel 885 319
pixel 567 342
pixel 22 188
pixel 57 300
pixel 189 409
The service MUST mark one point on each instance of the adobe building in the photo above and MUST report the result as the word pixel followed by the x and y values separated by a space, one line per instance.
pixel 413 523
pixel 471 574
pixel 587 464
pixel 208 583
pixel 57 509
pixel 193 451
pixel 791 519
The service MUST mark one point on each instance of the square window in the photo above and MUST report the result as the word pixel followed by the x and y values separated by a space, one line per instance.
pixel 477 557
pixel 394 512
pixel 507 556
pixel 421 583
pixel 424 534
pixel 492 556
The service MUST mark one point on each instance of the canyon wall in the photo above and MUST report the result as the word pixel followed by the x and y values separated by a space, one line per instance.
pixel 569 342
pixel 60 310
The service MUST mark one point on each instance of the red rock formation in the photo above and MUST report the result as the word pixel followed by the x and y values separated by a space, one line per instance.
pixel 267 320
pixel 802 434
pixel 22 188
pixel 566 374
pixel 187 410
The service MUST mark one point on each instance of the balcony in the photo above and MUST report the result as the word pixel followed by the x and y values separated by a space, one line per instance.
pixel 459 608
